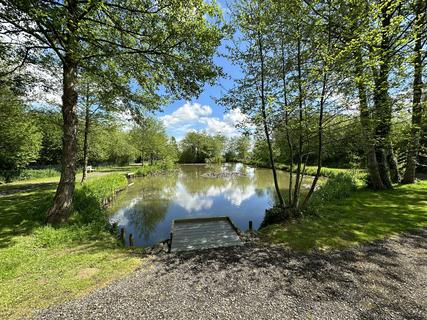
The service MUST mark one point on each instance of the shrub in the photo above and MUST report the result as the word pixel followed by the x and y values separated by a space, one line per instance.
pixel 90 198
pixel 338 186
pixel 153 169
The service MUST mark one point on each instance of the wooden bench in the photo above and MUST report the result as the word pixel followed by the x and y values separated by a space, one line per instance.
pixel 90 169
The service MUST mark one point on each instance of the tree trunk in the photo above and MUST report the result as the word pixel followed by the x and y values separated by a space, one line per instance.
pixel 417 105
pixel 392 163
pixel 86 142
pixel 365 121
pixel 288 137
pixel 63 200
pixel 264 118
pixel 320 141
pixel 382 102
pixel 295 201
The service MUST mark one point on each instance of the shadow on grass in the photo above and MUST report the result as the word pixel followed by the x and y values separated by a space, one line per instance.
pixel 23 210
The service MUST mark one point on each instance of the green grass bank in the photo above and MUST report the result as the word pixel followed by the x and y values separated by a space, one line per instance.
pixel 364 215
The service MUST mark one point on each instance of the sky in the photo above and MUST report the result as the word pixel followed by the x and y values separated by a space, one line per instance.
pixel 202 113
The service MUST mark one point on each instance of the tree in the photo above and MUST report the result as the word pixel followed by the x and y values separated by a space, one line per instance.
pixel 49 125
pixel 251 93
pixel 419 32
pixel 20 139
pixel 150 140
pixel 200 147
pixel 287 56
pixel 243 146
pixel 153 43
pixel 377 48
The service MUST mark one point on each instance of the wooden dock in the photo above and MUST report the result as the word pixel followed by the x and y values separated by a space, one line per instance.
pixel 203 233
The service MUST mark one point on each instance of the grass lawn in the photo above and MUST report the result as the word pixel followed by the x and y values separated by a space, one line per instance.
pixel 39 265
pixel 364 216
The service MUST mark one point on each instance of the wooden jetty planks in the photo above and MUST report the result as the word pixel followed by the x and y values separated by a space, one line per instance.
pixel 203 233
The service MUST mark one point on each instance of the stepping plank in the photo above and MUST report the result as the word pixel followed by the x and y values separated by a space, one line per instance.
pixel 203 233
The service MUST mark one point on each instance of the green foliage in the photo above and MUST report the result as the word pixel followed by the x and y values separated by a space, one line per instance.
pixel 151 142
pixel 91 197
pixel 108 143
pixel 154 169
pixel 49 124
pixel 339 186
pixel 237 149
pixel 260 153
pixel 19 139
pixel 28 174
pixel 200 147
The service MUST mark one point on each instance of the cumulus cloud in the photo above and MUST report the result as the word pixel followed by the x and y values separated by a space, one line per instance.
pixel 197 117
pixel 188 113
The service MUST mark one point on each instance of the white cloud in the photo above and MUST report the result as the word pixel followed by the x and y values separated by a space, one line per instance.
pixel 216 126
pixel 197 117
pixel 235 116
pixel 188 113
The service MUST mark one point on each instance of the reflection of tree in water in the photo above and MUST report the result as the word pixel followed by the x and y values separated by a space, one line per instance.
pixel 146 215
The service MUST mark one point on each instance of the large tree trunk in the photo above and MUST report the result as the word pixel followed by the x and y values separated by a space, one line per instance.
pixel 393 165
pixel 63 200
pixel 365 120
pixel 86 142
pixel 382 103
pixel 267 133
pixel 417 105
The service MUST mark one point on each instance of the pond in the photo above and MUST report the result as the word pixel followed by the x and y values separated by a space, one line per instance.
pixel 146 209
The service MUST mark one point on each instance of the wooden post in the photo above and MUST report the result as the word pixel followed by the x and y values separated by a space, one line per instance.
pixel 130 240
pixel 250 225
pixel 122 235
pixel 170 243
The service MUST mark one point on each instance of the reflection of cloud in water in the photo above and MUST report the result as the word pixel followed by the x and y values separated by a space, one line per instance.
pixel 237 195
pixel 204 200
pixel 121 215
pixel 191 202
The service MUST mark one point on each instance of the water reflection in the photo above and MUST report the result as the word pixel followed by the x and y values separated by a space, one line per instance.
pixel 147 208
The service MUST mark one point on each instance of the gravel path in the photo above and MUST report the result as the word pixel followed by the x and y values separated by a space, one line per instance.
pixel 382 280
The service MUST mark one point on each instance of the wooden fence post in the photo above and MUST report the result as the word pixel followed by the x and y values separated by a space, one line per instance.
pixel 122 235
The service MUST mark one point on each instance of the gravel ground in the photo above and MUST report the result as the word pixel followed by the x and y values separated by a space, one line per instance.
pixel 381 280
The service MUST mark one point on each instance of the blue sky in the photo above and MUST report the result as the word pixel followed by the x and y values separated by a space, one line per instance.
pixel 202 113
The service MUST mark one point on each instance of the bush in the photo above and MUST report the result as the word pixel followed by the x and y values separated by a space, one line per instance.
pixel 91 197
pixel 153 169
pixel 338 186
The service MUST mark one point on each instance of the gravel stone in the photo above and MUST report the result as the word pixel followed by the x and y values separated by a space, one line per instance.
pixel 384 279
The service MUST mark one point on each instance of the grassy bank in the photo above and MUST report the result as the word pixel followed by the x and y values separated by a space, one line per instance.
pixel 312 170
pixel 42 265
pixel 364 215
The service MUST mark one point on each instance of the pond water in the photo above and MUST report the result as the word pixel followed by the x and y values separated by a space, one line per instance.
pixel 146 209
